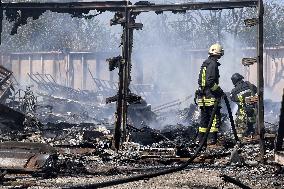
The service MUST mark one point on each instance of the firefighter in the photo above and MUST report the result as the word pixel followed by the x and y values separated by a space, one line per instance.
pixel 209 90
pixel 246 114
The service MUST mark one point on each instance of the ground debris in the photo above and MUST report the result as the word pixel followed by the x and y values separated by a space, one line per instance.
pixel 81 132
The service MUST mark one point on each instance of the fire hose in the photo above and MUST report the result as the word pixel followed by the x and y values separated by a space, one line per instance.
pixel 170 170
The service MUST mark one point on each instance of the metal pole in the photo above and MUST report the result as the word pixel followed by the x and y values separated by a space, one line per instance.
pixel 260 80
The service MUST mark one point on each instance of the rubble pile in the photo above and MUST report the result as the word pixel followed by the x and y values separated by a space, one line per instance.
pixel 75 134
pixel 81 130
pixel 57 109
pixel 10 120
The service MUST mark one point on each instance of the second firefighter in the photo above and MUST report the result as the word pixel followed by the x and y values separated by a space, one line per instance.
pixel 242 94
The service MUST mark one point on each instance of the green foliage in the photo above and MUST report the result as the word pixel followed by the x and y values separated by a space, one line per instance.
pixel 53 31
pixel 196 29
pixel 274 24
pixel 199 29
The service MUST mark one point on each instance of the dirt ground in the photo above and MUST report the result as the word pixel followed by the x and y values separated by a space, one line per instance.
pixel 198 176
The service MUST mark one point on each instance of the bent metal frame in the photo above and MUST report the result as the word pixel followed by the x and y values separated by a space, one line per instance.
pixel 125 14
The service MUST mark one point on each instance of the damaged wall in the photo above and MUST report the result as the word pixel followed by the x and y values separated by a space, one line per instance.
pixel 68 69
pixel 72 69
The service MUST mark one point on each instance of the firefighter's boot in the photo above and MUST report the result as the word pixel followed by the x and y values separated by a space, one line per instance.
pixel 250 130
pixel 200 137
pixel 213 139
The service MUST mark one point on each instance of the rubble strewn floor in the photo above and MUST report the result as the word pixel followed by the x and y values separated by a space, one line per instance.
pixel 197 176
pixel 205 173
pixel 81 134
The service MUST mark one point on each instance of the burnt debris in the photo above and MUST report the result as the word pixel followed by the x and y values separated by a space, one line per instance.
pixel 53 130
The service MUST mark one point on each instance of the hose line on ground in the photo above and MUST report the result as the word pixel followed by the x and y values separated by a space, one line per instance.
pixel 170 170
pixel 158 173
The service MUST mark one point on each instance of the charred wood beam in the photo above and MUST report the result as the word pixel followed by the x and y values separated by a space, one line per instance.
pixel 119 6
pixel 67 7
pixel 20 12
pixel 182 7
pixel 1 19
pixel 280 135
pixel 260 79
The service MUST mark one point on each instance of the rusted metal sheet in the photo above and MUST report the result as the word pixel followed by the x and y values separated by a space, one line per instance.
pixel 27 157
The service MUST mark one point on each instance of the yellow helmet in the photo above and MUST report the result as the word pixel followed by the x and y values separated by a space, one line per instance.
pixel 216 49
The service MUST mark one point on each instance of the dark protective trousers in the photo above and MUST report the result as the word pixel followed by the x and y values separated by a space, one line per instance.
pixel 206 112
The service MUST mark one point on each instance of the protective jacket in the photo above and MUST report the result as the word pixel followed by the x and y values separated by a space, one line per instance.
pixel 208 82
pixel 207 94
pixel 243 89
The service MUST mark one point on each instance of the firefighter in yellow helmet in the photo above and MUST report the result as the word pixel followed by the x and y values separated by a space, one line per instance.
pixel 209 91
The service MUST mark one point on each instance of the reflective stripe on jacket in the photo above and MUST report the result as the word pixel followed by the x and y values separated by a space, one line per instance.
pixel 208 82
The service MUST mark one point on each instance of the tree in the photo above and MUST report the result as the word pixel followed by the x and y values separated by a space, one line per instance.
pixel 199 29
pixel 54 31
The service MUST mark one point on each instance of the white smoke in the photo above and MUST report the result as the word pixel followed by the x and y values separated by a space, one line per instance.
pixel 171 68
